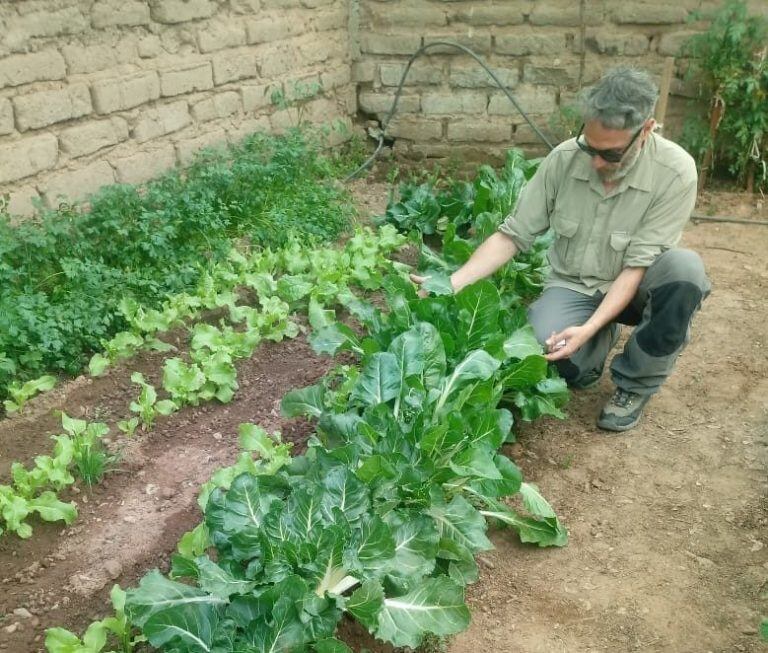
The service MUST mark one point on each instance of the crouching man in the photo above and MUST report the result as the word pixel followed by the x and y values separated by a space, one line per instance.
pixel 617 198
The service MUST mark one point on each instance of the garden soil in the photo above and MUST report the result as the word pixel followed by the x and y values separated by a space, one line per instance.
pixel 668 523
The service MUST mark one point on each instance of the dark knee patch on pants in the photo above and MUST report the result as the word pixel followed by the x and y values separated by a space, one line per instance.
pixel 567 370
pixel 672 306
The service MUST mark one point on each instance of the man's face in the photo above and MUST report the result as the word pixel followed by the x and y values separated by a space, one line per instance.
pixel 598 137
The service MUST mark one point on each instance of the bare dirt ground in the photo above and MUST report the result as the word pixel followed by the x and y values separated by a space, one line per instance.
pixel 668 523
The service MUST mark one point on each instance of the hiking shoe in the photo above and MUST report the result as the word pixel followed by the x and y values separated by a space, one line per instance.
pixel 623 411
pixel 592 378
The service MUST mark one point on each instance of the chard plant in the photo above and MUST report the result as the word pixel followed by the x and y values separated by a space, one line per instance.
pixel 21 393
pixel 147 405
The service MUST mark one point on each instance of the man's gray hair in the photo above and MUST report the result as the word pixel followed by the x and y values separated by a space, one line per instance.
pixel 622 99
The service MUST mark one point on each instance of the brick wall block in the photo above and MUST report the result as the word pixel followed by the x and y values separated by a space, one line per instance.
pixel 618 44
pixel 671 43
pixel 93 136
pixel 273 28
pixel 143 166
pixel 404 14
pixel 472 76
pixel 533 99
pixel 123 93
pixel 89 59
pixel 415 129
pixel 78 184
pixel 524 135
pixel 45 108
pixel 22 200
pixel 476 14
pixel 248 127
pixel 335 77
pixel 371 43
pixel 280 4
pixel 480 43
pixel 320 111
pixel 256 96
pixel 552 73
pixel 27 68
pixel 481 131
pixel 312 50
pixel 522 43
pixel 186 149
pixel 180 11
pixel 650 14
pixel 324 20
pixel 316 4
pixel 162 120
pixel 455 102
pixel 566 14
pixel 19 30
pixel 6 116
pixel 363 71
pixel 126 13
pixel 421 72
pixel 283 120
pixel 220 35
pixel 245 6
pixel 28 156
pixel 231 65
pixel 219 106
pixel 186 79
pixel 150 47
pixel 381 103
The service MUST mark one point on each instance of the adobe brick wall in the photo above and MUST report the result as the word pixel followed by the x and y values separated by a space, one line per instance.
pixel 543 50
pixel 94 92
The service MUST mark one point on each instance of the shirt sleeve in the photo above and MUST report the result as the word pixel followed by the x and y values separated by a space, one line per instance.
pixel 663 223
pixel 530 217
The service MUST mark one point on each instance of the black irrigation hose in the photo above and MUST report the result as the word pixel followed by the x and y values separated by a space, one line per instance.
pixel 413 58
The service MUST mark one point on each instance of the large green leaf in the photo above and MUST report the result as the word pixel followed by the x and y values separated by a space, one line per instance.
pixel 460 521
pixel 373 546
pixel 366 603
pixel 544 532
pixel 304 402
pixel 434 354
pixel 477 365
pixel 479 308
pixel 50 508
pixel 522 343
pixel 334 338
pixel 416 539
pixel 345 492
pixel 526 373
pixel 379 380
pixel 435 606
pixel 170 612
pixel 218 581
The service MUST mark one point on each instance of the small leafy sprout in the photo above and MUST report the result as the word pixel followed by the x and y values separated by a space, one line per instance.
pixel 89 455
pixel 147 406
pixel 21 393
pixel 128 426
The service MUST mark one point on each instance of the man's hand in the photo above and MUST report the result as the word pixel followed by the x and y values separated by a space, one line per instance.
pixel 566 343
pixel 418 280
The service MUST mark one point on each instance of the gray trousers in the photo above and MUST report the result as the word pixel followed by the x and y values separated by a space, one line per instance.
pixel 669 295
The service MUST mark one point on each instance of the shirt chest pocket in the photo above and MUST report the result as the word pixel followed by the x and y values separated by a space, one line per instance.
pixel 618 241
pixel 566 229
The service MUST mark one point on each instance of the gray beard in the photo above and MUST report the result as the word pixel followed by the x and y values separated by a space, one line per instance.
pixel 623 169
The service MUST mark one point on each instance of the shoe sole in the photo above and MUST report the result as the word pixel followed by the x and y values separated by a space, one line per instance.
pixel 618 429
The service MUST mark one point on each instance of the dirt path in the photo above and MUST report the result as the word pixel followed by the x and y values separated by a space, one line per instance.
pixel 668 524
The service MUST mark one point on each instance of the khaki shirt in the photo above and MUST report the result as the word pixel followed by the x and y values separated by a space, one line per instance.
pixel 598 233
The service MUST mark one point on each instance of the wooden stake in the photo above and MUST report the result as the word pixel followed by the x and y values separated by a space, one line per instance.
pixel 666 82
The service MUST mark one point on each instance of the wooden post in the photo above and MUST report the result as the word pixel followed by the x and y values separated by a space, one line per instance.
pixel 666 82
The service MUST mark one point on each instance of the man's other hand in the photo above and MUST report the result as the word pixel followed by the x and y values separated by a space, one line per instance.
pixel 566 343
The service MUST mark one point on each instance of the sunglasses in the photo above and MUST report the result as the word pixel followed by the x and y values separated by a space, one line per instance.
pixel 611 155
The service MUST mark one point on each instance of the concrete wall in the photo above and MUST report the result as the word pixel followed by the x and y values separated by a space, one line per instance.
pixel 544 50
pixel 94 92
